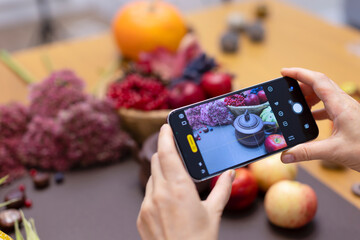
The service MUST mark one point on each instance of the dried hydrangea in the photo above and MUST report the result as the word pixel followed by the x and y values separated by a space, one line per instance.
pixel 14 118
pixel 93 133
pixel 210 114
pixel 59 91
pixel 216 113
pixel 62 129
pixel 9 164
pixel 194 117
pixel 87 133
pixel 42 145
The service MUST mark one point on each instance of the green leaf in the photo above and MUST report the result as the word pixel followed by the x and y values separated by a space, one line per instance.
pixel 3 179
pixel 30 230
pixel 16 67
pixel 18 235
pixel 33 225
pixel 7 203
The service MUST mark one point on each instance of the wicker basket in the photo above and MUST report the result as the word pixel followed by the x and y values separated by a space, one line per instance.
pixel 256 109
pixel 142 124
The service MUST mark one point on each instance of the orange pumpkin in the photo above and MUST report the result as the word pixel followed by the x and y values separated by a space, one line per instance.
pixel 143 26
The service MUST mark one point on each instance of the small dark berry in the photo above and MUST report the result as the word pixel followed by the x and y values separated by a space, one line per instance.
pixel 59 177
pixel 33 172
pixel 22 187
pixel 28 203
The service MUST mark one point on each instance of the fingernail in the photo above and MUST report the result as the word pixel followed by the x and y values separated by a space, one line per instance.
pixel 288 158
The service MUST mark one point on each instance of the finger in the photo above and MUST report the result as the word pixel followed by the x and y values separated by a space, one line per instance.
pixel 307 90
pixel 312 100
pixel 148 223
pixel 143 228
pixel 156 171
pixel 149 187
pixel 219 196
pixel 324 88
pixel 309 151
pixel 169 158
pixel 320 114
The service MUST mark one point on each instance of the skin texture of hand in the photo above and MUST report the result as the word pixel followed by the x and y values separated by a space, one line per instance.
pixel 343 146
pixel 172 208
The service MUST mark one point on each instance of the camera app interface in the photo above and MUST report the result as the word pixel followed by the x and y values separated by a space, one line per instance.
pixel 235 129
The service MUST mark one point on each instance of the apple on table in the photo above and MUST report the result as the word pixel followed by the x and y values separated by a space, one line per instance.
pixel 271 170
pixel 244 189
pixel 290 204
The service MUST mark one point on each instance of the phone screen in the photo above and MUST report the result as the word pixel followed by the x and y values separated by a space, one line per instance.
pixel 238 128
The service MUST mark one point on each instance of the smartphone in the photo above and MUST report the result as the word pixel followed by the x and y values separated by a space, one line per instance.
pixel 238 128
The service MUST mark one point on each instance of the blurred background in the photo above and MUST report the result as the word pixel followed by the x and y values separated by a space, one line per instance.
pixel 28 23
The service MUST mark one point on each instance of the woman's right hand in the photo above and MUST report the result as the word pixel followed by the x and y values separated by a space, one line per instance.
pixel 343 146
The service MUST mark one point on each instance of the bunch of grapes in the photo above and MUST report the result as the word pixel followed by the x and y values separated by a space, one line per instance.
pixel 256 90
pixel 196 68
pixel 235 100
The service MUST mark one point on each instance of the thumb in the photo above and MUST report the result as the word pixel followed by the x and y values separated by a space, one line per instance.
pixel 219 196
pixel 309 151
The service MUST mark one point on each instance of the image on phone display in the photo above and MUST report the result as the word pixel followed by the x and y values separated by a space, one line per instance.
pixel 235 129
pixel 241 127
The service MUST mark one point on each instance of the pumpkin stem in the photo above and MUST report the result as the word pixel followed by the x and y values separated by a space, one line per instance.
pixel 152 4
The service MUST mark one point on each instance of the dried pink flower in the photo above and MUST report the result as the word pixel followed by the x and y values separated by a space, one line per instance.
pixel 59 91
pixel 92 133
pixel 9 164
pixel 42 145
pixel 14 118
pixel 210 114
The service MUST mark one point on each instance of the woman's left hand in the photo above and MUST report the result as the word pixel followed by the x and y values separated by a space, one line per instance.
pixel 172 208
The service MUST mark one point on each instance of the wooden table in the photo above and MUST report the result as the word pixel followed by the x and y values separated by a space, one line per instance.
pixel 293 38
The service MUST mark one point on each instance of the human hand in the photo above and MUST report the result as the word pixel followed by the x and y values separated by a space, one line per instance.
pixel 343 146
pixel 172 208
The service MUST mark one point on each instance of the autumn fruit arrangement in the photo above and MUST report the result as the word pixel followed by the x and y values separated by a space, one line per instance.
pixel 287 202
pixel 254 101
pixel 165 67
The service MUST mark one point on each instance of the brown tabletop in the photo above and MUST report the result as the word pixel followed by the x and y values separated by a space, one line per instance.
pixel 103 204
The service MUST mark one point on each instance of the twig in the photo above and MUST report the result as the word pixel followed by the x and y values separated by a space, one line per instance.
pixel 16 68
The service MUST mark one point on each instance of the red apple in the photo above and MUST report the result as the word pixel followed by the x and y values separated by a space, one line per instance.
pixel 251 99
pixel 216 83
pixel 244 189
pixel 271 170
pixel 274 142
pixel 262 97
pixel 185 93
pixel 290 204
